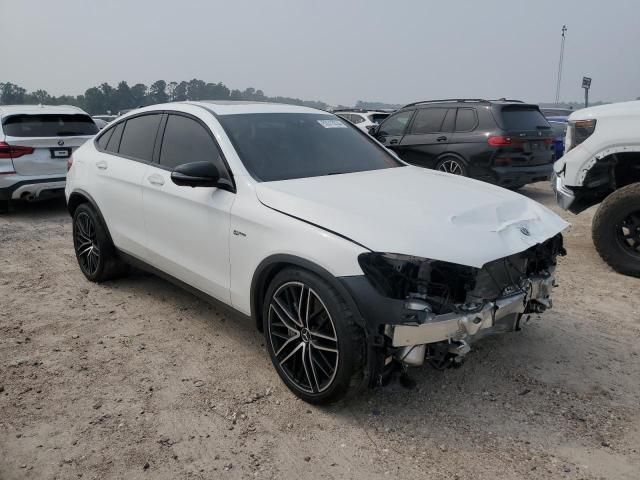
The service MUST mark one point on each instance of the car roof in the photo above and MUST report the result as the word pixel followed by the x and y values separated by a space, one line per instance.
pixel 609 110
pixel 469 102
pixel 230 107
pixel 36 109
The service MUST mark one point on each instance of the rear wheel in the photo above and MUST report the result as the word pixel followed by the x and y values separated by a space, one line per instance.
pixel 311 335
pixel 616 230
pixel 95 252
pixel 452 165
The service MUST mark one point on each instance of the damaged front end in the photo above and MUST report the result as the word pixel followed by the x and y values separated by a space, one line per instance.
pixel 440 308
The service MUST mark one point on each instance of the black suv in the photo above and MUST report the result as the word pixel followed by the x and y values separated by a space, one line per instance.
pixel 506 142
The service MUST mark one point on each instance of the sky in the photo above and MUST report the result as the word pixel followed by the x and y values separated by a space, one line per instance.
pixel 337 51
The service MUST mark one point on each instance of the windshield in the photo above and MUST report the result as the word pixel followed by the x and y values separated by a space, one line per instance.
pixel 49 125
pixel 517 118
pixel 283 146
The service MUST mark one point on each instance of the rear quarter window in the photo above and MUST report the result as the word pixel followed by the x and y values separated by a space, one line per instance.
pixel 49 125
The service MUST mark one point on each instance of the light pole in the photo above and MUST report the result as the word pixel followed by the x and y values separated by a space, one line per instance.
pixel 564 29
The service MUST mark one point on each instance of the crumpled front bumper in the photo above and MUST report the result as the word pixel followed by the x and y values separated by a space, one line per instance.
pixel 564 196
pixel 491 317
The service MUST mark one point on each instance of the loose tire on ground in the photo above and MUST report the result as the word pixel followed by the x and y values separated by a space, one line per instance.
pixel 96 254
pixel 616 228
pixel 293 318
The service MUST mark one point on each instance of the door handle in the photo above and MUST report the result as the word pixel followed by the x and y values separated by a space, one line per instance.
pixel 441 139
pixel 101 165
pixel 393 142
pixel 156 180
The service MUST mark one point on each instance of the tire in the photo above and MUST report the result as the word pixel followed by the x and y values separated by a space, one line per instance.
pixel 96 254
pixel 300 340
pixel 452 165
pixel 616 230
pixel 4 206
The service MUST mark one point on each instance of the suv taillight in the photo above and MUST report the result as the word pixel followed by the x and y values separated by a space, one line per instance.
pixel 499 141
pixel 14 151
pixel 578 131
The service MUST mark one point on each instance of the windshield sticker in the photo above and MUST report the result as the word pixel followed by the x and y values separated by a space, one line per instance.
pixel 332 124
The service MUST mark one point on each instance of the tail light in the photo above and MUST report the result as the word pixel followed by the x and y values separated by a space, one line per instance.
pixel 499 141
pixel 14 151
pixel 549 141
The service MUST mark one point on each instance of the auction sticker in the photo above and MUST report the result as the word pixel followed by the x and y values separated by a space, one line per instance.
pixel 332 124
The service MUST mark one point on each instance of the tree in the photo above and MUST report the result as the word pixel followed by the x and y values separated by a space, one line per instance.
pixel 196 90
pixel 138 95
pixel 94 101
pixel 124 98
pixel 11 94
pixel 171 90
pixel 157 92
pixel 41 96
pixel 180 92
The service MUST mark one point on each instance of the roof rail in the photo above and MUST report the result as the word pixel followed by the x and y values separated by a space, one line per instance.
pixel 449 100
pixel 350 110
pixel 507 100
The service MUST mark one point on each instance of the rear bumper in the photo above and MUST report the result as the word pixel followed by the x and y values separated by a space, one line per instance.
pixel 517 176
pixel 15 187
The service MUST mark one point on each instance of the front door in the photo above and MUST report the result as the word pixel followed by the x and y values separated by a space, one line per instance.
pixel 427 136
pixel 392 130
pixel 188 228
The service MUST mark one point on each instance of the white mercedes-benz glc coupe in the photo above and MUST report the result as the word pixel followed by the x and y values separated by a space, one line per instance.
pixel 350 261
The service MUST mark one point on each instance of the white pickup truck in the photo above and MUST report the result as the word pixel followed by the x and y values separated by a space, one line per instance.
pixel 602 164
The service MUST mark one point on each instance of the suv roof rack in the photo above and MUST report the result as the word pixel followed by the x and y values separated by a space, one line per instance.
pixel 350 110
pixel 462 100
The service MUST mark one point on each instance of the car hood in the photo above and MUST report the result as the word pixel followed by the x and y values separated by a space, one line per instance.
pixel 414 211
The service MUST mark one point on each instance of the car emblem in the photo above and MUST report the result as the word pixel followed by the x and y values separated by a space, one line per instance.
pixel 525 231
pixel 60 142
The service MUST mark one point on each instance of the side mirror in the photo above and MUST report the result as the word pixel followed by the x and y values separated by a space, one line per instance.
pixel 199 174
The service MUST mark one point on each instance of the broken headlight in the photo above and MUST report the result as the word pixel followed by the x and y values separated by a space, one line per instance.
pixel 401 277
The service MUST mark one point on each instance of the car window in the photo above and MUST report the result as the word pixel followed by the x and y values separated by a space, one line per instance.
pixel 378 117
pixel 449 120
pixel 104 138
pixel 283 146
pixel 396 124
pixel 49 125
pixel 559 129
pixel 113 144
pixel 186 141
pixel 466 120
pixel 428 120
pixel 527 118
pixel 346 116
pixel 139 137
pixel 357 118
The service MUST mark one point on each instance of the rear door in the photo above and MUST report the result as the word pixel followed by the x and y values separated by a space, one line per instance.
pixel 50 139
pixel 532 138
pixel 393 129
pixel 124 151
pixel 429 133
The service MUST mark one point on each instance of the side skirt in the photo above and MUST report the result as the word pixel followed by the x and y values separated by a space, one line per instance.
pixel 227 309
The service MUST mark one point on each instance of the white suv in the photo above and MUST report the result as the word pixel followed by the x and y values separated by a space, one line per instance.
pixel 349 260
pixel 602 164
pixel 363 119
pixel 35 144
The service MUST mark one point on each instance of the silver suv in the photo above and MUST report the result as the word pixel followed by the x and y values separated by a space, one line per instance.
pixel 36 142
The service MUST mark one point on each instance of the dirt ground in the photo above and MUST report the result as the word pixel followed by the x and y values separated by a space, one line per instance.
pixel 138 379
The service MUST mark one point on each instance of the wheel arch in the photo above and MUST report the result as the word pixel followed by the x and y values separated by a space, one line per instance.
pixel 272 265
pixel 79 197
pixel 451 154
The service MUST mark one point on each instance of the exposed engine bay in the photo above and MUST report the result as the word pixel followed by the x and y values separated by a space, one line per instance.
pixel 448 306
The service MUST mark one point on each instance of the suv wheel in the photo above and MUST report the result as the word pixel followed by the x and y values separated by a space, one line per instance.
pixel 616 230
pixel 96 254
pixel 453 166
pixel 311 335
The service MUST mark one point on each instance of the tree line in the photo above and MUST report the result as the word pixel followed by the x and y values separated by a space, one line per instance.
pixel 105 98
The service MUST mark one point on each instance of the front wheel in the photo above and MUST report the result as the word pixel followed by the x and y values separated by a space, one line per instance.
pixel 453 166
pixel 313 340
pixel 616 230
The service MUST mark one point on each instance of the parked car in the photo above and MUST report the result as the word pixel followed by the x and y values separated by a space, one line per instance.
pixel 107 118
pixel 100 123
pixel 602 165
pixel 559 126
pixel 363 119
pixel 556 112
pixel 505 142
pixel 349 260
pixel 35 143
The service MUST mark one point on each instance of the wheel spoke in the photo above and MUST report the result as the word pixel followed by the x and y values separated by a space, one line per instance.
pixel 286 311
pixel 323 336
pixel 285 319
pixel 292 353
pixel 307 364
pixel 323 348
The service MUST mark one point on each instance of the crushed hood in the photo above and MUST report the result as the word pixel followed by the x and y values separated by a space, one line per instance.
pixel 414 211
